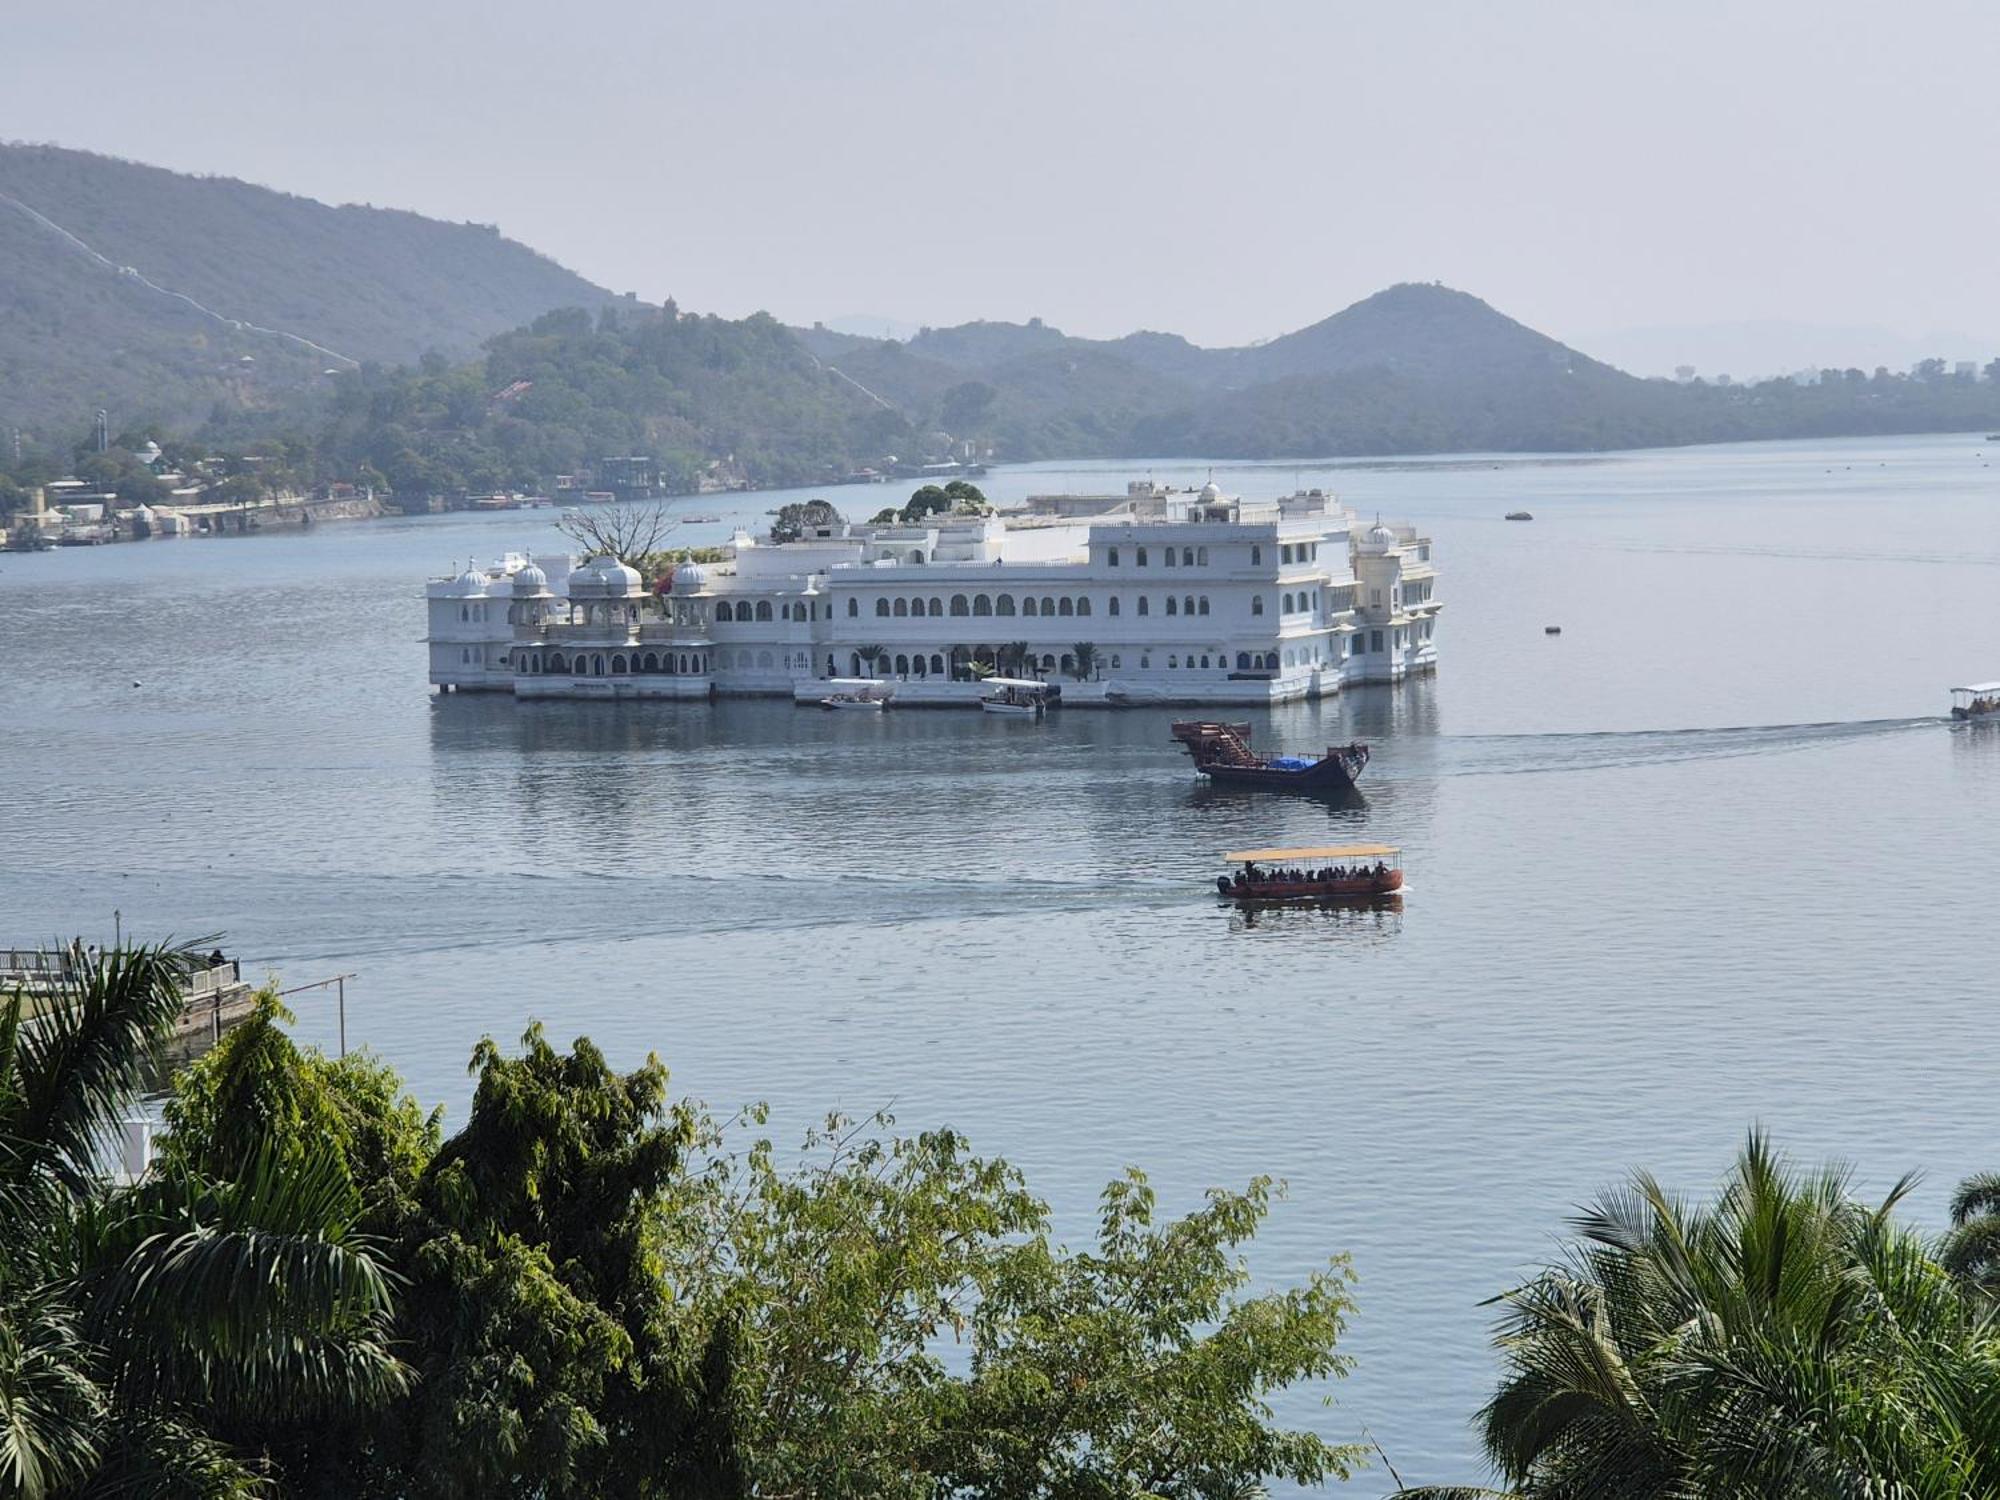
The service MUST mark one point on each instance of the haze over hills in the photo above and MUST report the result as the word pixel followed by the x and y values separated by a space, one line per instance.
pixel 122 282
pixel 209 304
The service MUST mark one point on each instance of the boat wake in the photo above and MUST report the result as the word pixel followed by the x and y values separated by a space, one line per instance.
pixel 1545 754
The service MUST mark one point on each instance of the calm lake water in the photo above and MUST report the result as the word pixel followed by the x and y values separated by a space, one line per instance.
pixel 1708 858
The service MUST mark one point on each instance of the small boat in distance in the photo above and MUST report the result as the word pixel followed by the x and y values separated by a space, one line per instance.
pixel 1978 700
pixel 1519 515
pixel 1337 872
pixel 865 693
pixel 1552 630
pixel 1222 753
pixel 1020 697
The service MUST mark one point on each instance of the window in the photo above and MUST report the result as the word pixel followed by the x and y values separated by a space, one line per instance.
pixel 1201 556
pixel 882 608
pixel 1048 606
pixel 917 555
pixel 1111 557
pixel 1187 605
pixel 1142 604
pixel 1172 605
pixel 1285 605
pixel 1204 604
pixel 937 609
pixel 1256 604
pixel 1243 661
pixel 1083 606
pixel 853 609
pixel 1028 605
pixel 937 665
pixel 1285 554
pixel 763 609
pixel 1112 607
pixel 1187 557
pixel 902 666
pixel 982 604
pixel 902 609
pixel 1173 661
pixel 1256 557
pixel 1142 557
pixel 1004 605
pixel 1065 607
pixel 1374 598
pixel 1170 557
pixel 1374 640
pixel 959 606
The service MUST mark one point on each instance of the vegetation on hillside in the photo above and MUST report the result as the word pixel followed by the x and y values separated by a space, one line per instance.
pixel 371 284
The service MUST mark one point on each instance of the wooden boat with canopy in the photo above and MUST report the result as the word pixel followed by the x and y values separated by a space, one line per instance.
pixel 1222 753
pixel 1332 872
pixel 1977 700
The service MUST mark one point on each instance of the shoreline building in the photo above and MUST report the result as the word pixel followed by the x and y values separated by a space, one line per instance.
pixel 1155 595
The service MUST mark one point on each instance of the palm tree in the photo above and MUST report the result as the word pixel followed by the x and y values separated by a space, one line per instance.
pixel 1787 1340
pixel 870 655
pixel 143 1325
pixel 1086 659
pixel 1972 1249
pixel 1013 657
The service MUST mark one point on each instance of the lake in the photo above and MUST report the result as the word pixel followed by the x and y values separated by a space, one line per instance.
pixel 1708 858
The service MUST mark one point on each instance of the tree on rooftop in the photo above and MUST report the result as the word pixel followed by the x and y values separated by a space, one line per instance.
pixel 630 533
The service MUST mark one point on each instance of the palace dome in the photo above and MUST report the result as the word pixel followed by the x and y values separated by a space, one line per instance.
pixel 1211 491
pixel 468 585
pixel 690 578
pixel 531 580
pixel 1380 536
pixel 604 578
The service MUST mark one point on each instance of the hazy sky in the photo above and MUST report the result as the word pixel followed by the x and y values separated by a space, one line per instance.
pixel 1226 169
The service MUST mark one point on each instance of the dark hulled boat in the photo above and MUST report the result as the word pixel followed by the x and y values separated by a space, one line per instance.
pixel 1222 753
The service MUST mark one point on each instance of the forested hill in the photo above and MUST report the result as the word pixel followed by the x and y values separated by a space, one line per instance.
pixel 120 283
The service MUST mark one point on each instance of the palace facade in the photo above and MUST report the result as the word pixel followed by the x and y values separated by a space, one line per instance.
pixel 1155 595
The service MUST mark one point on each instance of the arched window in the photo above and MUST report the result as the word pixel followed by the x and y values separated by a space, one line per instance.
pixel 937 609
pixel 1028 605
pixel 959 606
pixel 1285 606
pixel 882 608
pixel 1065 607
pixel 1256 556
pixel 982 605
pixel 1111 557
pixel 902 609
pixel 1187 557
pixel 916 554
pixel 937 664
pixel 1173 661
pixel 1204 661
pixel 1146 661
pixel 763 609
pixel 1187 605
pixel 557 663
pixel 618 665
pixel 853 609
pixel 1048 606
pixel 855 670
pixel 1142 557
pixel 902 665
pixel 464 618
pixel 1068 662
pixel 1256 604
pixel 1243 661
pixel 1204 604
pixel 917 664
pixel 652 661
pixel 1083 606
pixel 1116 661
pixel 1170 557
pixel 1142 604
pixel 597 665
pixel 1201 556
pixel 723 613
pixel 1173 605
pixel 1004 605
pixel 1112 607
pixel 1285 554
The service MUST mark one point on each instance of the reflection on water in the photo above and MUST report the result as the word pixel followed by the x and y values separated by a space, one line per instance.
pixel 1631 928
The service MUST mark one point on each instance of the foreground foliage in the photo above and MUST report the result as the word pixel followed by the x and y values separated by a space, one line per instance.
pixel 1786 1340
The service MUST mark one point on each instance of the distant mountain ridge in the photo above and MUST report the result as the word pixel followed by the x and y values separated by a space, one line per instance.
pixel 368 283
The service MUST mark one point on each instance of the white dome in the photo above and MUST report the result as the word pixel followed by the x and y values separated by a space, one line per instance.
pixel 1380 536
pixel 604 578
pixel 1211 491
pixel 469 584
pixel 531 580
pixel 690 578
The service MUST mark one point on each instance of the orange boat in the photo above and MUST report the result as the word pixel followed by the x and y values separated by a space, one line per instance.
pixel 1334 872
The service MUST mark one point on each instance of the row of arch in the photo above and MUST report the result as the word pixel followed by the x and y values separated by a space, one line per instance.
pixel 745 611
pixel 612 664
pixel 1005 607
pixel 1197 557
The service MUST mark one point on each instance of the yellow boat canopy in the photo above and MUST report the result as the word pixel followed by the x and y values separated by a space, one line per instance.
pixel 1295 856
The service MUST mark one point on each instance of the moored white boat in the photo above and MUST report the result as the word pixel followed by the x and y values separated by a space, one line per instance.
pixel 1977 700
pixel 1018 697
pixel 866 694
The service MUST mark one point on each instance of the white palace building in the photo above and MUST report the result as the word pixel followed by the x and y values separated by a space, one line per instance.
pixel 1157 595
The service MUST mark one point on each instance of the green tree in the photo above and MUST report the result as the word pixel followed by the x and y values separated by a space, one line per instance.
pixel 1137 1367
pixel 1787 1340
pixel 1085 654
pixel 929 500
pixel 1972 1248
pixel 154 1336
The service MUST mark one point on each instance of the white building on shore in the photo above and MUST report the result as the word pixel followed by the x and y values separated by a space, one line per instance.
pixel 1153 596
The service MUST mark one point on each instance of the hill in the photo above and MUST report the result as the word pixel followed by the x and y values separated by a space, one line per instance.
pixel 160 295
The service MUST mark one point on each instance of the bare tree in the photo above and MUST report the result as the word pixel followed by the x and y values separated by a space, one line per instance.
pixel 630 533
